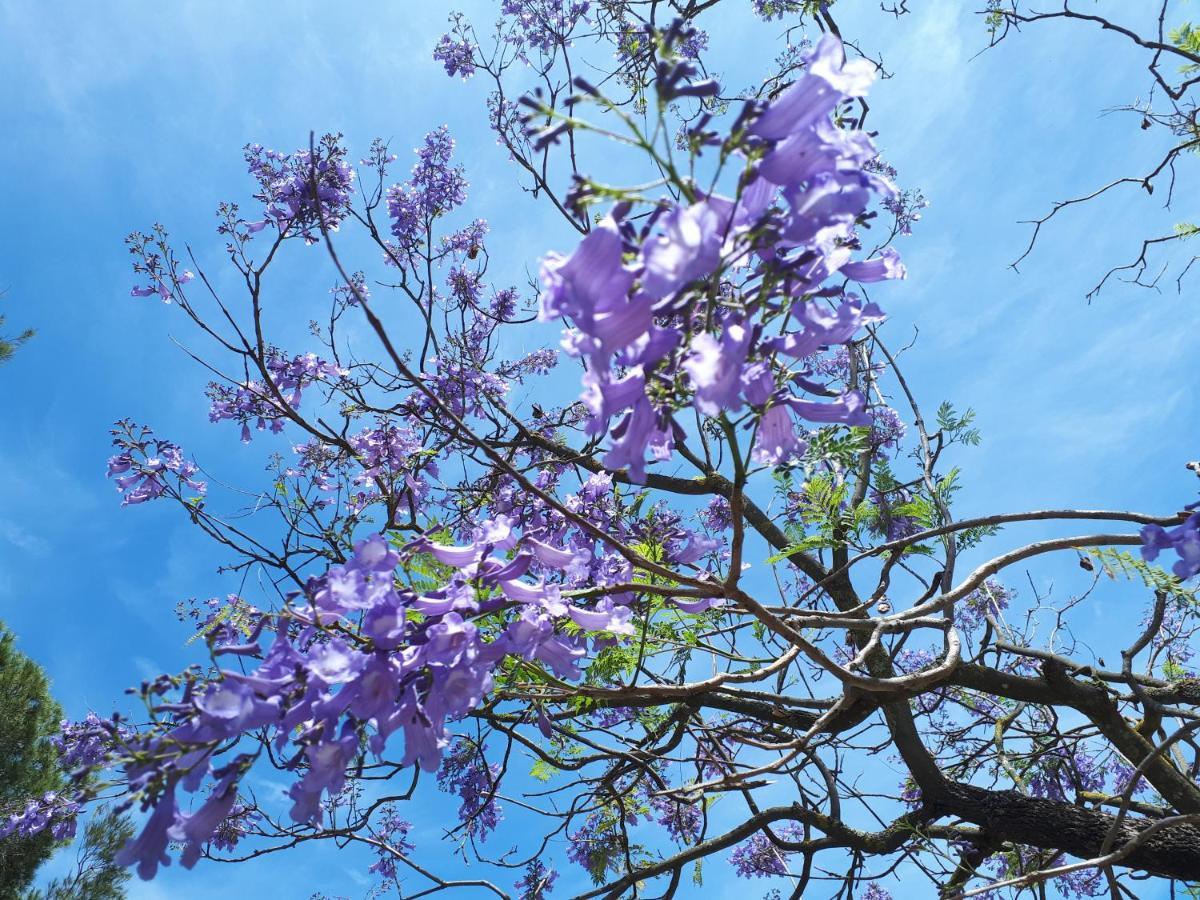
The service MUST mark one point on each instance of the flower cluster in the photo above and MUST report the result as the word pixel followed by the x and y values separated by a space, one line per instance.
pixel 759 857
pixel 717 516
pixel 146 465
pixel 538 362
pixel 682 821
pixel 542 25
pixel 659 530
pixel 353 663
pixel 462 388
pixel 594 846
pixel 537 882
pixel 636 325
pixel 892 508
pixel 1022 860
pixel 434 189
pixel 887 428
pixel 235 826
pixel 392 831
pixel 384 462
pixel 1059 773
pixel 467 773
pixel 154 260
pixel 300 190
pixel 775 9
pixel 1174 639
pixel 88 743
pixel 989 599
pixel 51 811
pixel 255 401
pixel 391 454
pixel 1184 540
pixel 457 55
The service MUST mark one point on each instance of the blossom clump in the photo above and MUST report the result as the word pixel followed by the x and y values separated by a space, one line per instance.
pixel 1184 541
pixel 654 316
pixel 354 662
pixel 148 467
pixel 269 402
pixel 304 190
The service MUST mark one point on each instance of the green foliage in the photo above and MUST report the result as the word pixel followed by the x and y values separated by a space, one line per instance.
pixel 812 542
pixel 424 572
pixel 1172 670
pixel 971 537
pixel 28 762
pixel 613 664
pixel 605 843
pixel 10 344
pixel 917 508
pixel 825 514
pixel 1117 563
pixel 958 428
pixel 835 446
pixel 29 768
pixel 237 612
pixel 993 17
pixel 95 875
pixel 947 486
pixel 1187 38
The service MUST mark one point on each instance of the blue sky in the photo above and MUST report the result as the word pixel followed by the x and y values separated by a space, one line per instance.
pixel 128 112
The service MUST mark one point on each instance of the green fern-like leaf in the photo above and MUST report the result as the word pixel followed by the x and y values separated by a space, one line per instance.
pixel 1123 564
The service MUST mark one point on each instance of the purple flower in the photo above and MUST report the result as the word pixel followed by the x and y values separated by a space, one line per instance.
pixel 893 525
pixel 828 80
pixel 147 465
pixel 255 401
pixel 604 616
pixel 887 428
pixel 683 821
pixel 885 266
pixel 541 25
pixel 758 857
pixel 52 811
pixel 466 772
pixel 716 516
pixel 715 368
pixel 777 440
pixel 1184 540
pixel 393 832
pixel 1174 638
pixel 458 56
pixel 990 598
pixel 618 280
pixel 1060 772
pixel 687 247
pixel 302 189
pixel 642 428
pixel 434 189
pixel 537 882
pixel 149 849
pixel 327 762
pixel 196 829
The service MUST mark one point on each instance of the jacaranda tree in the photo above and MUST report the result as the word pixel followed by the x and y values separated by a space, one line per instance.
pixel 670 595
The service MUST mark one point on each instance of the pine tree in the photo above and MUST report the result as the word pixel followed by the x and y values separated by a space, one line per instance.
pixel 28 762
pixel 95 875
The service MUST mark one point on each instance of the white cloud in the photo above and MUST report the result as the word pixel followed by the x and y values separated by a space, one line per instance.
pixel 22 538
